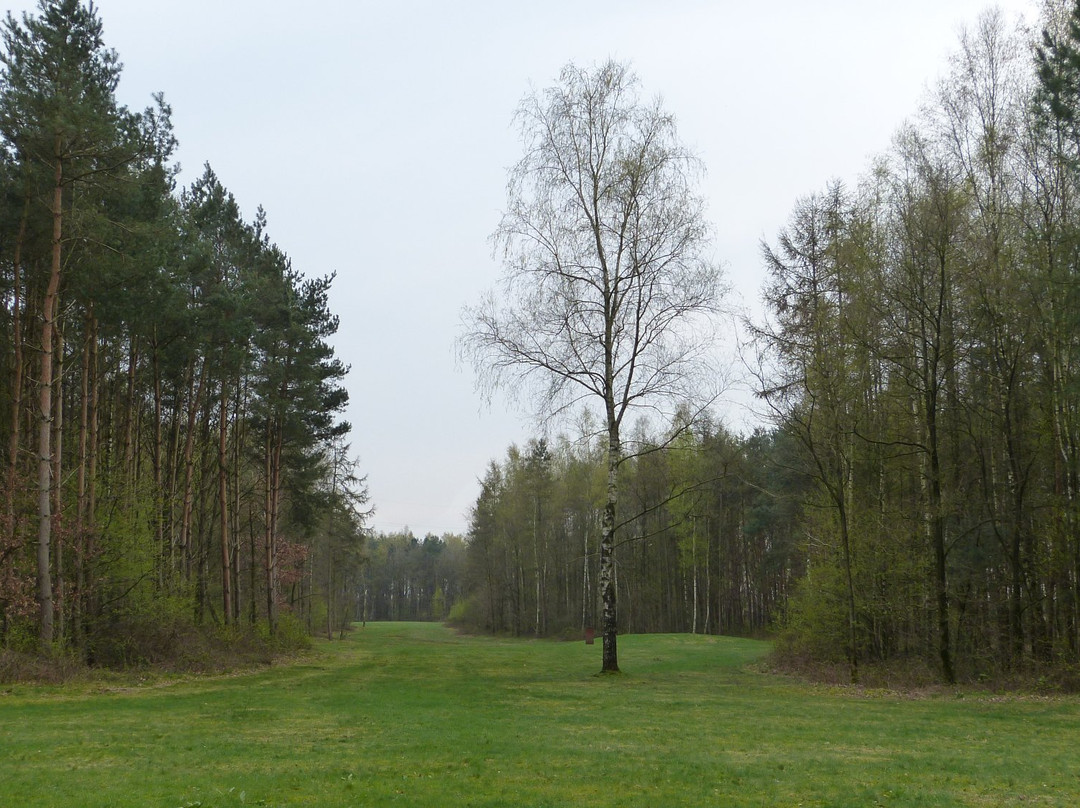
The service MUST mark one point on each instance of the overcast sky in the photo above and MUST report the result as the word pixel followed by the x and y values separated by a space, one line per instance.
pixel 377 136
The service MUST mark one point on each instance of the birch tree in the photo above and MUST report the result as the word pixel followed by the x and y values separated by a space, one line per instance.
pixel 608 282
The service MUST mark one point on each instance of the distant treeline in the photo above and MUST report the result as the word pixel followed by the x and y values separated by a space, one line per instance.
pixel 705 547
pixel 709 549
pixel 406 578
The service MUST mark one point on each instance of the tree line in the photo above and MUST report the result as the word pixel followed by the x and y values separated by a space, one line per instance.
pixel 710 548
pixel 171 404
pixel 913 500
pixel 705 546
pixel 921 347
pixel 407 578
pixel 174 453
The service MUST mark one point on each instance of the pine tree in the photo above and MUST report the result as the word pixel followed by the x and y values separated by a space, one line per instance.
pixel 59 113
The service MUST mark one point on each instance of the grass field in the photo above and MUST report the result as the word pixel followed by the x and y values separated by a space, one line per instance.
pixel 412 714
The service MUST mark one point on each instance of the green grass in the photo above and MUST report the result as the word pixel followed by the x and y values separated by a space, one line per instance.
pixel 415 715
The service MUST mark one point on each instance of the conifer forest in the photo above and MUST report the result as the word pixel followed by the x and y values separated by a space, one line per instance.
pixel 173 452
pixel 176 460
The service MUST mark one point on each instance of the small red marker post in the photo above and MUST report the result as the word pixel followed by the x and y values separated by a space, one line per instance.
pixel 590 636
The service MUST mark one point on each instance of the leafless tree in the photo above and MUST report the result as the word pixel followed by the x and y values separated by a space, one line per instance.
pixel 609 289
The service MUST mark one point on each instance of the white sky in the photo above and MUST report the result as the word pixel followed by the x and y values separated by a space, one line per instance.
pixel 377 136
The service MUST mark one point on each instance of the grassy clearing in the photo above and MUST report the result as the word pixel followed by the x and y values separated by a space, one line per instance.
pixel 413 714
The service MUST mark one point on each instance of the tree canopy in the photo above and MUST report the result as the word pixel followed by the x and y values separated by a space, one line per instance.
pixel 171 402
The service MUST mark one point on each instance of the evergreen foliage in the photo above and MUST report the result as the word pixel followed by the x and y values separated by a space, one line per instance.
pixel 171 403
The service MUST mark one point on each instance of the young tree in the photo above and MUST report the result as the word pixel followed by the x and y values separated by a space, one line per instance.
pixel 808 297
pixel 607 282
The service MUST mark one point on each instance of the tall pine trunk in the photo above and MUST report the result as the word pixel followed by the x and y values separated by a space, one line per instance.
pixel 274 440
pixel 82 479
pixel 17 375
pixel 223 505
pixel 186 514
pixel 57 476
pixel 49 309
pixel 238 456
pixel 157 458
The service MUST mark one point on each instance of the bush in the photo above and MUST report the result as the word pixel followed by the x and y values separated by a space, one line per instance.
pixel 168 638
pixel 19 666
pixel 291 637
pixel 21 637
pixel 160 634
pixel 468 615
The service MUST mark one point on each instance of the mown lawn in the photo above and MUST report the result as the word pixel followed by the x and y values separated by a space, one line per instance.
pixel 412 714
